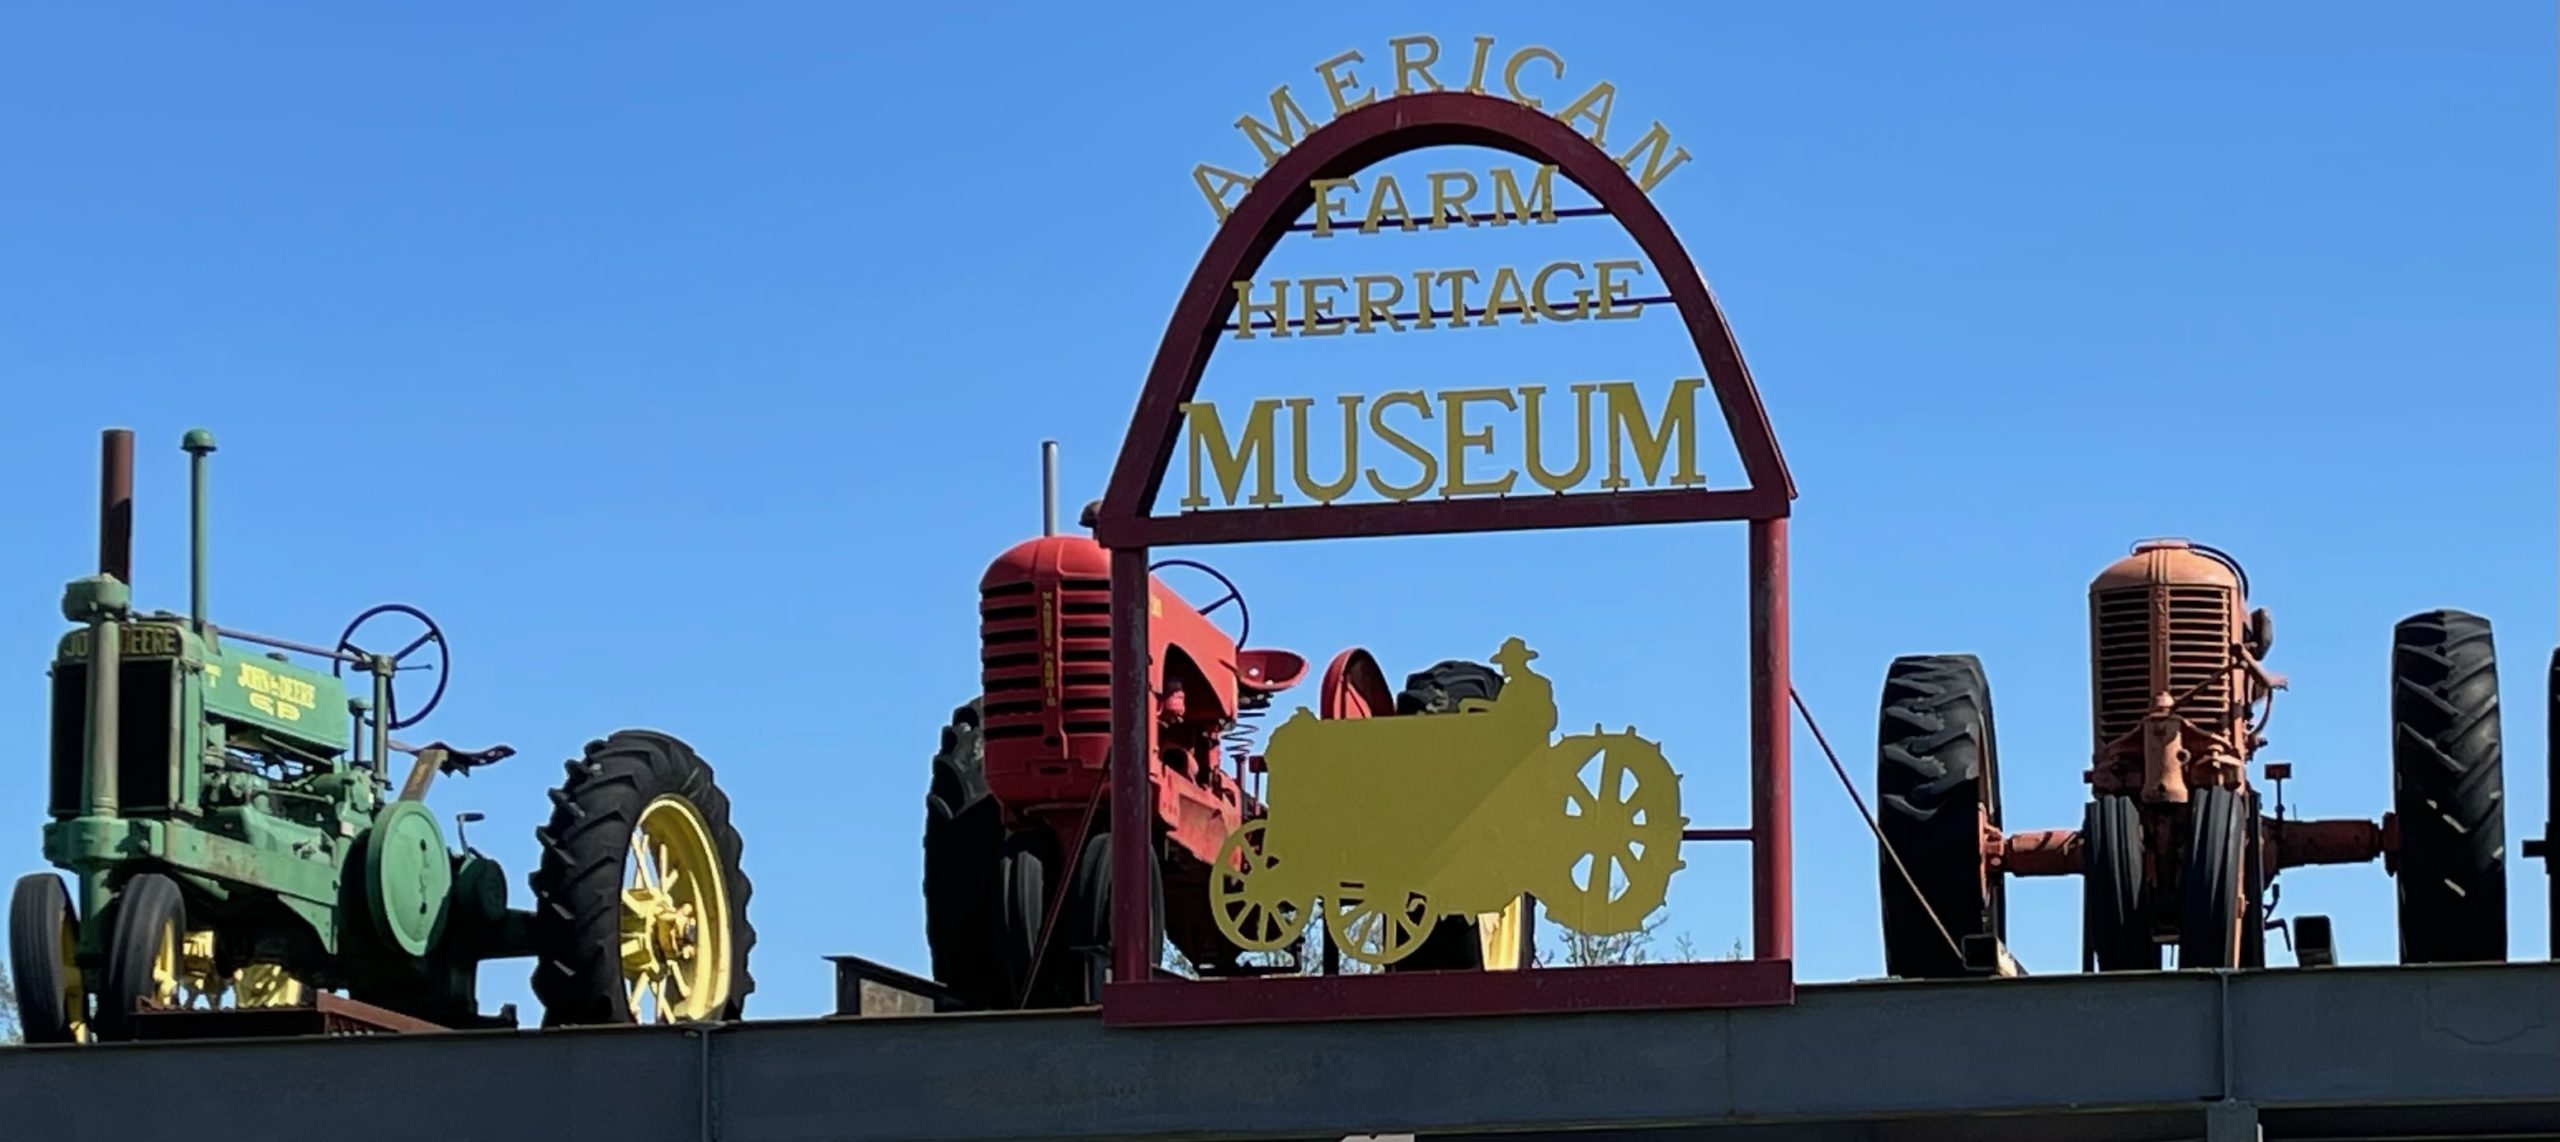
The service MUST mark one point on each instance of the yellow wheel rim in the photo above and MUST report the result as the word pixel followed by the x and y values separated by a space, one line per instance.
pixel 675 918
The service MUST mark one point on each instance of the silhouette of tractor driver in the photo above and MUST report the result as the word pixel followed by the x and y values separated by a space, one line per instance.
pixel 1528 700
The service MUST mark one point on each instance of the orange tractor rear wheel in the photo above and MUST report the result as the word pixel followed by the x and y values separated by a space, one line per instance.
pixel 1937 787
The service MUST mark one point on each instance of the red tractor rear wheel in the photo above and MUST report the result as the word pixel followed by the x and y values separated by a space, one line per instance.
pixel 963 867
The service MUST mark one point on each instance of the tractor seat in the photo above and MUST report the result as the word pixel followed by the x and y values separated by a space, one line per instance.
pixel 1263 670
pixel 464 760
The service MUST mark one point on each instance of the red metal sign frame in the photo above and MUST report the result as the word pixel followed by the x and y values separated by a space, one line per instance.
pixel 1125 525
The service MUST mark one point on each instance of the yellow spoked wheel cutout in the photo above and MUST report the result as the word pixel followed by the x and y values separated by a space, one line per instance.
pixel 1376 928
pixel 1253 913
pixel 676 941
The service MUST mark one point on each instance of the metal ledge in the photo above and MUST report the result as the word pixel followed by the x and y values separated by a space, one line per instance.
pixel 2374 1053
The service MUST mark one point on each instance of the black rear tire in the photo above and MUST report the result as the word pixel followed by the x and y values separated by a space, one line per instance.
pixel 1937 779
pixel 43 930
pixel 964 867
pixel 2115 902
pixel 577 887
pixel 147 912
pixel 1089 911
pixel 2210 885
pixel 1454 943
pixel 2449 789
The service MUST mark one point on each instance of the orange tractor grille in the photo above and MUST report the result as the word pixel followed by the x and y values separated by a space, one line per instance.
pixel 2194 625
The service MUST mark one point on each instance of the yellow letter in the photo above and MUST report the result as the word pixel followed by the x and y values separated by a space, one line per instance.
pixel 1335 85
pixel 1557 482
pixel 1408 67
pixel 1385 189
pixel 1404 444
pixel 1325 205
pixel 1457 281
pixel 1679 416
pixel 1538 293
pixel 1217 195
pixel 1379 310
pixel 1511 74
pixel 1496 300
pixel 1655 170
pixel 1596 104
pixel 1541 197
pixel 1475 78
pixel 1201 417
pixel 1453 404
pixel 1441 200
pixel 1611 292
pixel 1284 109
pixel 1319 320
pixel 1300 442
pixel 1278 309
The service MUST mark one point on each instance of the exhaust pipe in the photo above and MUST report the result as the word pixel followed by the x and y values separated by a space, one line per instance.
pixel 115 504
pixel 104 606
pixel 198 445
pixel 1048 487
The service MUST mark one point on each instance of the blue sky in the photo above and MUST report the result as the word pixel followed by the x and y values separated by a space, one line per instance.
pixel 690 370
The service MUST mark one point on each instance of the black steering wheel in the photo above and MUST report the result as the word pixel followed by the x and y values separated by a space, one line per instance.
pixel 1244 614
pixel 390 711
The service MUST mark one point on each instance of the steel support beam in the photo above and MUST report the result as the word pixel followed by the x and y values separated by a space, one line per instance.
pixel 2439 1052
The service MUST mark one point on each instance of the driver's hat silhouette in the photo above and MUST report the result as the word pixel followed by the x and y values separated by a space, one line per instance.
pixel 1513 655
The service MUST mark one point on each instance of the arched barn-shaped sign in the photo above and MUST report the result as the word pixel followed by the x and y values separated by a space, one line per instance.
pixel 1371 126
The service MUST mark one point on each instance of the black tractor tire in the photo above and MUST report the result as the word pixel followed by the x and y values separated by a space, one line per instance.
pixel 2551 792
pixel 147 911
pixel 1031 863
pixel 1454 943
pixel 43 931
pixel 2253 931
pixel 963 867
pixel 2211 889
pixel 2448 789
pixel 1089 908
pixel 2115 896
pixel 1937 777
pixel 577 886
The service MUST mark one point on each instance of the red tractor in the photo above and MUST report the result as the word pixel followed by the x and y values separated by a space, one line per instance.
pixel 2177 848
pixel 1017 876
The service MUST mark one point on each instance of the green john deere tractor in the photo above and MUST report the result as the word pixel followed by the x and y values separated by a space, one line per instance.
pixel 229 820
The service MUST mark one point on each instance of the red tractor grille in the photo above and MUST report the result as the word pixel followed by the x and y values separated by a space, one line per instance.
pixel 2195 622
pixel 1024 674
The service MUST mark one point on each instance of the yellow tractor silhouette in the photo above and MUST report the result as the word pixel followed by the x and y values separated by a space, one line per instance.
pixel 1397 822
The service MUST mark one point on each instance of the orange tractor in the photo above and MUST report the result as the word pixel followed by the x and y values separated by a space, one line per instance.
pixel 1017 875
pixel 2178 846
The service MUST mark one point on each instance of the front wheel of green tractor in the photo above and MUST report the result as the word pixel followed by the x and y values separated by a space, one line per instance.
pixel 2448 789
pixel 44 939
pixel 640 906
pixel 1937 786
pixel 146 924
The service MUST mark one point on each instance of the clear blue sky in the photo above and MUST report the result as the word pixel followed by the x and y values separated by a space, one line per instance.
pixel 689 370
